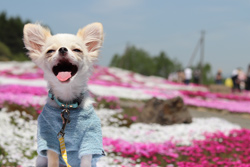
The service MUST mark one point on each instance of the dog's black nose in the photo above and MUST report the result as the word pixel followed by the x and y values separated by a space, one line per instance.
pixel 63 51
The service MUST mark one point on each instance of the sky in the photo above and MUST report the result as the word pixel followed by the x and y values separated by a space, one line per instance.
pixel 163 25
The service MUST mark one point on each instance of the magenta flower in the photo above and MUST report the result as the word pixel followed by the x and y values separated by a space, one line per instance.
pixel 217 149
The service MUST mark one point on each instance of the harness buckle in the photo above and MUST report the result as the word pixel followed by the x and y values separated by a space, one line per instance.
pixel 60 134
pixel 65 116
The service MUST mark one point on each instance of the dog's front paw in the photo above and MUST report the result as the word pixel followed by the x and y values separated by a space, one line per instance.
pixel 86 161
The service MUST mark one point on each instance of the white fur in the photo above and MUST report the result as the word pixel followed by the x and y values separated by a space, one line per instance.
pixel 38 40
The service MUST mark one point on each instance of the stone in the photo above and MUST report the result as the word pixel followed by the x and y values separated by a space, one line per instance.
pixel 165 112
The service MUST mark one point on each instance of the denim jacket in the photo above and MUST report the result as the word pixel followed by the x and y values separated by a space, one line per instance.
pixel 83 134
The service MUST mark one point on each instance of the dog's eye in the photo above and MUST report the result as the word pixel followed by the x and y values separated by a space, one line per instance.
pixel 50 51
pixel 77 50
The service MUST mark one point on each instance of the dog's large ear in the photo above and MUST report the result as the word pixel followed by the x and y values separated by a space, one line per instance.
pixel 92 36
pixel 34 39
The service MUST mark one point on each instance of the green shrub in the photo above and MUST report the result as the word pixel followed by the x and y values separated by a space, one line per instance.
pixel 5 53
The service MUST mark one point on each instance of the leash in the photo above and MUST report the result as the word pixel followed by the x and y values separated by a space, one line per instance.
pixel 61 134
pixel 65 119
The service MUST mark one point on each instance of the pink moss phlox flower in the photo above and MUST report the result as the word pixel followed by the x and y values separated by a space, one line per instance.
pixel 105 76
pixel 217 149
pixel 142 149
pixel 111 102
pixel 203 94
pixel 38 74
pixel 232 106
pixel 133 118
pixel 21 89
pixel 25 100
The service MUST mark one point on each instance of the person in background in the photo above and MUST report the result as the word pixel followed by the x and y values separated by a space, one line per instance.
pixel 188 75
pixel 173 77
pixel 218 78
pixel 181 76
pixel 241 79
pixel 236 85
pixel 247 87
pixel 197 74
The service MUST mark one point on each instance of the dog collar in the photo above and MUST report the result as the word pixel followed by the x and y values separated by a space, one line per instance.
pixel 67 105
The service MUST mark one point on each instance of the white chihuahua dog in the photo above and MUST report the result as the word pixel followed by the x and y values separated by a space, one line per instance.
pixel 67 61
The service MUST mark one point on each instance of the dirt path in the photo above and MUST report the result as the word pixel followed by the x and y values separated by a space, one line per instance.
pixel 241 119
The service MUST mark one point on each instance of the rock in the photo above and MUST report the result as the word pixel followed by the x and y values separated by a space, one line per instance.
pixel 165 112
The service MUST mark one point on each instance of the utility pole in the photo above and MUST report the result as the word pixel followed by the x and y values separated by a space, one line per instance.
pixel 194 54
pixel 202 48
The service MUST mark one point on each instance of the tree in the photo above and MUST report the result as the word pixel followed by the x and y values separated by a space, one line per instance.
pixel 134 59
pixel 164 65
pixel 140 61
pixel 206 75
pixel 11 34
pixel 5 53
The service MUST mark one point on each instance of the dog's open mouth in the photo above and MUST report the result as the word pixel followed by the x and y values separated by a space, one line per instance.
pixel 64 70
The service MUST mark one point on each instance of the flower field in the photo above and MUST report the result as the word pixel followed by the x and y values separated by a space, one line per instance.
pixel 205 142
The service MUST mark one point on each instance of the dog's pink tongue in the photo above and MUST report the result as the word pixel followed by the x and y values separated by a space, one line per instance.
pixel 63 76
